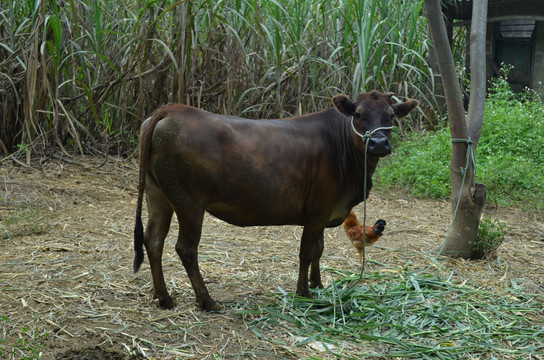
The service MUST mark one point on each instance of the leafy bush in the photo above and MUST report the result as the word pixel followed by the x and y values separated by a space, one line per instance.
pixel 419 164
pixel 491 235
pixel 510 155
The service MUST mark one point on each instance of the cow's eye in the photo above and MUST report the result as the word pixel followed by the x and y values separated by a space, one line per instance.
pixel 357 115
pixel 392 117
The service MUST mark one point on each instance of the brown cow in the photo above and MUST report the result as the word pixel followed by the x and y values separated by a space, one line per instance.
pixel 305 170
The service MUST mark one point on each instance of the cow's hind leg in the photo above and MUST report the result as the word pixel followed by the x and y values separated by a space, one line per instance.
pixel 315 272
pixel 190 229
pixel 311 248
pixel 158 224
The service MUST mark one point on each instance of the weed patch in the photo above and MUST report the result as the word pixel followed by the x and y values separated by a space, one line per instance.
pixel 28 345
pixel 491 233
pixel 23 220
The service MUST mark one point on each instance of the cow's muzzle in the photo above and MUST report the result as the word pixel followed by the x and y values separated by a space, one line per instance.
pixel 377 143
pixel 379 146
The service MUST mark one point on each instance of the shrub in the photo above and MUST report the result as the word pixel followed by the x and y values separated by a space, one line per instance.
pixel 510 152
pixel 510 155
pixel 419 164
pixel 491 235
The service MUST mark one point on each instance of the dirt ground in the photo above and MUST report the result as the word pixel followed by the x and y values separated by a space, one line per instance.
pixel 68 291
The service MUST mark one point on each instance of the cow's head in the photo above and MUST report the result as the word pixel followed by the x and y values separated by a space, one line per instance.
pixel 374 114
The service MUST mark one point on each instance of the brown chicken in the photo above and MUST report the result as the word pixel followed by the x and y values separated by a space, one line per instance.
pixel 354 231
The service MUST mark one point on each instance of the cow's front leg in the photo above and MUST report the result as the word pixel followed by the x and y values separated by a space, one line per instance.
pixel 311 248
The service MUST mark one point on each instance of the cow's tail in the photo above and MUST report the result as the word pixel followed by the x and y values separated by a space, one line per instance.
pixel 145 146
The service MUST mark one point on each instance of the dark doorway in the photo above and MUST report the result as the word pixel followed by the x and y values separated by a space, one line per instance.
pixel 514 46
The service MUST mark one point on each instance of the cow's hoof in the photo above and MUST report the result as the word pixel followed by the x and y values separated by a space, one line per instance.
pixel 209 305
pixel 167 303
pixel 305 293
pixel 316 285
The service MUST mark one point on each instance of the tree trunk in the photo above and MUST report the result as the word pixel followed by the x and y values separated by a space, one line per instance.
pixel 468 198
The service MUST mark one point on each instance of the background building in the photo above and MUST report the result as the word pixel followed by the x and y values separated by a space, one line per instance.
pixel 515 36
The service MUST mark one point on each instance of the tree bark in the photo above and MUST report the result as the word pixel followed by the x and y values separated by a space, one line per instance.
pixel 468 198
pixel 477 70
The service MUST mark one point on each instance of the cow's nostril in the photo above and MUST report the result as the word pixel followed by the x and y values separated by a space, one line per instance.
pixel 379 146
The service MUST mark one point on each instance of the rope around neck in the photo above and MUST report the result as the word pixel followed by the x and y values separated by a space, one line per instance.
pixel 368 134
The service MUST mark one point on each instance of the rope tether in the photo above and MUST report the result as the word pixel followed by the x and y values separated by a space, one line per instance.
pixel 470 159
pixel 365 138
pixel 470 154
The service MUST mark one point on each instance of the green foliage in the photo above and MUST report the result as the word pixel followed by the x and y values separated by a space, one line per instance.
pixel 28 346
pixel 409 315
pixel 84 74
pixel 419 164
pixel 23 220
pixel 491 233
pixel 510 152
pixel 510 155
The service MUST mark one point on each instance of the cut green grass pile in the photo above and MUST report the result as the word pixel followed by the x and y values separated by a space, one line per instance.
pixel 411 315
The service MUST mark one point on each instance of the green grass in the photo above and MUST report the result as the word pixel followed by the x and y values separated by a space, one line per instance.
pixel 407 315
pixel 419 164
pixel 510 155
pixel 24 220
pixel 27 346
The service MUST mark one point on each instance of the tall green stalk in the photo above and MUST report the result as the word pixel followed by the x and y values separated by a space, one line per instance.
pixel 81 75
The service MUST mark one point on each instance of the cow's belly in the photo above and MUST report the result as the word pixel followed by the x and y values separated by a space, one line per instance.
pixel 257 215
pixel 339 214
pixel 275 200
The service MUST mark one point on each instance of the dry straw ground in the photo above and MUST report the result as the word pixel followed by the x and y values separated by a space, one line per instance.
pixel 68 292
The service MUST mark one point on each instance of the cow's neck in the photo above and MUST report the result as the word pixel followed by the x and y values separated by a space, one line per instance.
pixel 354 164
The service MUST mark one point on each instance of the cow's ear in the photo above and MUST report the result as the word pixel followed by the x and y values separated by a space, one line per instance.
pixel 403 109
pixel 344 105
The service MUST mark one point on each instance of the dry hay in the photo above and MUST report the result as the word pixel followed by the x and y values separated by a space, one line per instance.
pixel 67 290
